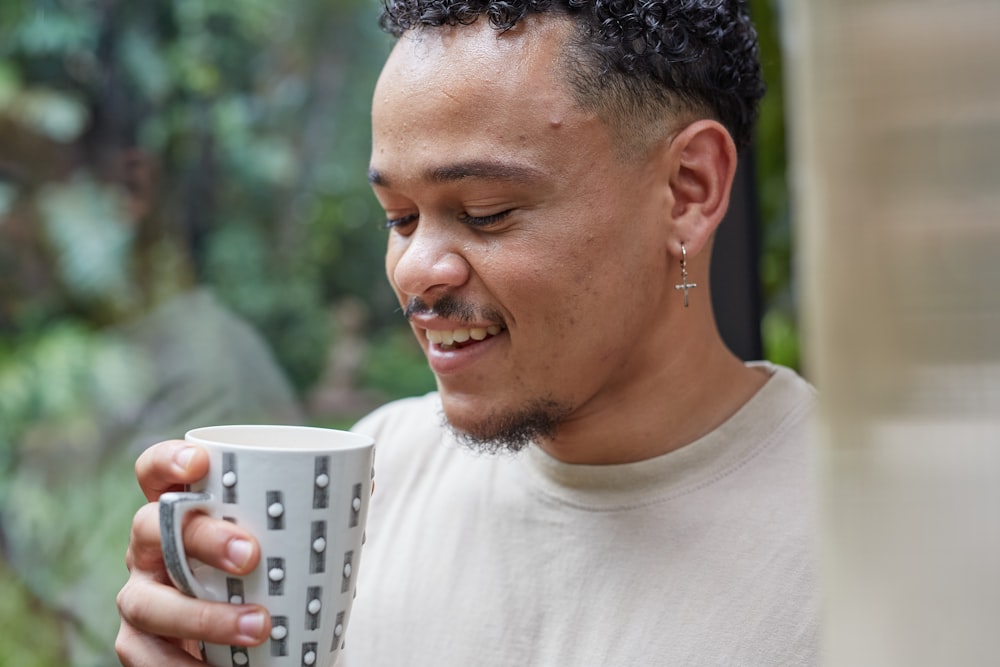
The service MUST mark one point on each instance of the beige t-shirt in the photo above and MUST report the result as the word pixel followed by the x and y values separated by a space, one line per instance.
pixel 703 556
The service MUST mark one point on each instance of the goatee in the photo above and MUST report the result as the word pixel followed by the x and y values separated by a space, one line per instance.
pixel 509 433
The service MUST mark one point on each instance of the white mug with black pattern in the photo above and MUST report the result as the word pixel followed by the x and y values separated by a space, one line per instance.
pixel 303 492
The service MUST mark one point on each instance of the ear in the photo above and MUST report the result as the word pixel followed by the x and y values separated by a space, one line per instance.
pixel 703 165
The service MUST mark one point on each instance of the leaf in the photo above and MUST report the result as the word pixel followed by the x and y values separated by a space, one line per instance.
pixel 8 194
pixel 148 68
pixel 56 114
pixel 48 31
pixel 10 83
pixel 86 224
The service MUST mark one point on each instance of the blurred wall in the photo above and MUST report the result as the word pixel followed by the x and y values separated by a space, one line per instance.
pixel 895 116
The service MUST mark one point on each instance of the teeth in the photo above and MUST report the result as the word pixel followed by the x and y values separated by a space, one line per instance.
pixel 447 338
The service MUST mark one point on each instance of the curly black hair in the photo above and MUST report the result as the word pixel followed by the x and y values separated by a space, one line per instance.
pixel 633 59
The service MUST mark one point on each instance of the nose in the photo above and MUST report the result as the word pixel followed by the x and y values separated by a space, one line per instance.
pixel 428 261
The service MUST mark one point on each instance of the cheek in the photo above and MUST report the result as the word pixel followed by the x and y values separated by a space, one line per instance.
pixel 555 298
pixel 609 284
pixel 561 280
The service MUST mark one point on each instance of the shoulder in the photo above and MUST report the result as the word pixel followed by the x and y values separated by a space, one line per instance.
pixel 786 397
pixel 770 438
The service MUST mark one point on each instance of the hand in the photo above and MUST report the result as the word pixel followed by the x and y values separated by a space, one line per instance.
pixel 160 625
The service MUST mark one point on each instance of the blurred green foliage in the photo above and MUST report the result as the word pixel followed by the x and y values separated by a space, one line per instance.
pixel 779 327
pixel 397 367
pixel 256 116
pixel 28 629
pixel 251 120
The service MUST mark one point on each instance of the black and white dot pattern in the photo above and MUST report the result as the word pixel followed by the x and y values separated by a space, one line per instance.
pixel 309 654
pixel 348 570
pixel 275 510
pixel 279 636
pixel 240 656
pixel 229 478
pixel 321 482
pixel 234 590
pixel 355 514
pixel 338 632
pixel 314 607
pixel 317 548
pixel 275 576
pixel 309 521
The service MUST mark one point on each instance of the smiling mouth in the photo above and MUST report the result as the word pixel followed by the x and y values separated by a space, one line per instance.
pixel 458 338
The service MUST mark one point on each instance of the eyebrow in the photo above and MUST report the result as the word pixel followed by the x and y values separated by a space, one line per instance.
pixel 485 169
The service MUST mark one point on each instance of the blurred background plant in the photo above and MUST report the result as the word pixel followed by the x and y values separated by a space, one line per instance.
pixel 779 324
pixel 187 235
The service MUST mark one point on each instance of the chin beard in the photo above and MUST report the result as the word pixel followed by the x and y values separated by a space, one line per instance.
pixel 509 433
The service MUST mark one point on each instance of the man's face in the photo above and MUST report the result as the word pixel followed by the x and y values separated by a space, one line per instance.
pixel 532 258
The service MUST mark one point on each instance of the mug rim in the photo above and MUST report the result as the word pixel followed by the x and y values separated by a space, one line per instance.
pixel 236 436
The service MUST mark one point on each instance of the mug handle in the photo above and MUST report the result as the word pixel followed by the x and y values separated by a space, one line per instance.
pixel 174 506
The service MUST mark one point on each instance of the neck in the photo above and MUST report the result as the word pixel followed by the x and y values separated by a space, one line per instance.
pixel 667 400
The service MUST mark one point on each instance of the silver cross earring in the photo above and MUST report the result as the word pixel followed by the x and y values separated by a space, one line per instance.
pixel 685 285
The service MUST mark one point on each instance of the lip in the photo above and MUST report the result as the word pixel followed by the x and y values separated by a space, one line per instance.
pixel 435 322
pixel 450 361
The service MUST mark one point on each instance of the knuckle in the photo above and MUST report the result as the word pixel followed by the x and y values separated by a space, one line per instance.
pixel 145 514
pixel 125 601
pixel 205 620
pixel 133 602
pixel 200 529
pixel 127 646
pixel 211 622
pixel 144 541
pixel 144 470
pixel 127 607
pixel 122 648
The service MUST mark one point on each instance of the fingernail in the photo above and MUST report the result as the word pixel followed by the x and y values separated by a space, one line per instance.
pixel 251 626
pixel 183 457
pixel 239 552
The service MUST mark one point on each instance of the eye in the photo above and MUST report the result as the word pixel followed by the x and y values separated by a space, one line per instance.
pixel 402 223
pixel 483 221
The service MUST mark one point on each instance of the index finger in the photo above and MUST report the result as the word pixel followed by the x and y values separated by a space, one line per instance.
pixel 169 466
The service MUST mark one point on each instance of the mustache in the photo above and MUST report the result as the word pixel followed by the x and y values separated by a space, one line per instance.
pixel 451 307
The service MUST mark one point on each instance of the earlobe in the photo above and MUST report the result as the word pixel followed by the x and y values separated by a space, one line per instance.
pixel 703 165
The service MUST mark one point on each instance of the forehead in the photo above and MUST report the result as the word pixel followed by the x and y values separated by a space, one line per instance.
pixel 478 92
pixel 528 53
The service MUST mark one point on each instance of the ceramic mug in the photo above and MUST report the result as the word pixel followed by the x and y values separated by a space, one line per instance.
pixel 303 493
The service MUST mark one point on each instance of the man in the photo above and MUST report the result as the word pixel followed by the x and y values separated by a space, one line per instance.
pixel 552 176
